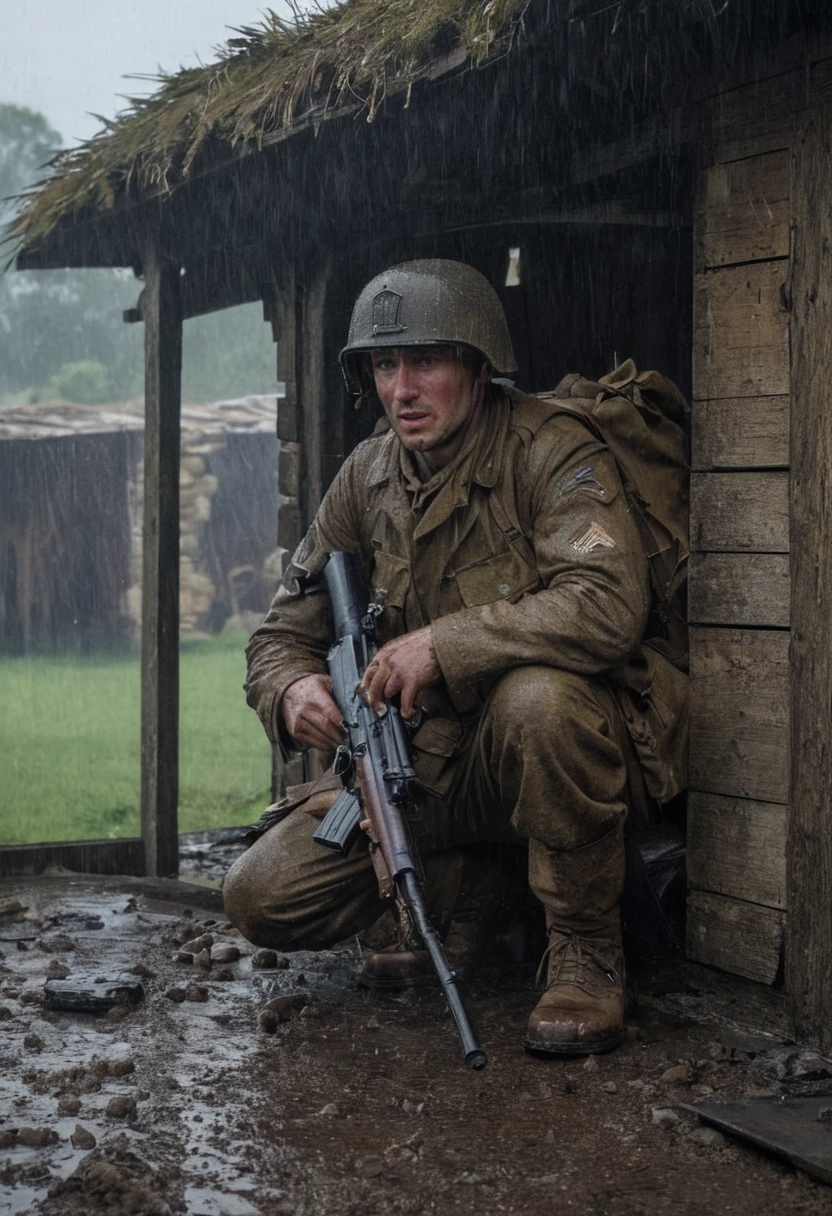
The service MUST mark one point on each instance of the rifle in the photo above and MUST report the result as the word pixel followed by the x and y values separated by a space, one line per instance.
pixel 376 767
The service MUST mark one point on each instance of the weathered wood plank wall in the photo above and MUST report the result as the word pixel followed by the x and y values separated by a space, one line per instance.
pixel 739 580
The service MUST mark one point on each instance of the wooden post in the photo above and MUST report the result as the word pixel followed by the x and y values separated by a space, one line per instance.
pixel 809 849
pixel 160 576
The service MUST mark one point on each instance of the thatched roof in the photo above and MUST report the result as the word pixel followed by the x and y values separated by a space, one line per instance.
pixel 268 81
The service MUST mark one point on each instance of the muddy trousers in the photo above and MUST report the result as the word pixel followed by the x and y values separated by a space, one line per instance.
pixel 548 765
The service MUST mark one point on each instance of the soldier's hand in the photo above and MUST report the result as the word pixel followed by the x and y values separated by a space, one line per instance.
pixel 310 714
pixel 406 665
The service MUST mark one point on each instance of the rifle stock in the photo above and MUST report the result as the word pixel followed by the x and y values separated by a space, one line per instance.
pixel 376 767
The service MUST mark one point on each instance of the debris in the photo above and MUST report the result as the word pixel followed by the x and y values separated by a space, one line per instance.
pixel 143 971
pixel 591 1064
pixel 116 1068
pixel 69 1104
pixel 32 996
pixel 12 907
pixel 794 1128
pixel 183 956
pixel 56 970
pixel 118 1012
pixel 609 1087
pixel 331 1111
pixel 792 1064
pixel 198 944
pixel 369 1167
pixel 122 1106
pixel 223 974
pixel 663 1117
pixel 175 994
pixel 202 959
pixel 81 1138
pixel 61 942
pixel 709 1137
pixel 33 1042
pixel 196 992
pixel 92 994
pixel 5 1013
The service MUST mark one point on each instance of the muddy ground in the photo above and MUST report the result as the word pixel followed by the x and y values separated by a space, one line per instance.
pixel 334 1100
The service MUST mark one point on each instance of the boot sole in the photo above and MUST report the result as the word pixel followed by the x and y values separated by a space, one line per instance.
pixel 542 1047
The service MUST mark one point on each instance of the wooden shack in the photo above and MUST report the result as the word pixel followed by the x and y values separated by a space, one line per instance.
pixel 636 179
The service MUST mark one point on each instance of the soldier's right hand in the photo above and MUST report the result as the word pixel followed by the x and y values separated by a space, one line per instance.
pixel 310 714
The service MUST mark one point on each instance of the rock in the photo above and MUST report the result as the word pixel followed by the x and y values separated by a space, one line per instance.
pixel 609 1087
pixel 11 907
pixel 224 974
pixel 331 1111
pixel 369 1167
pixel 268 1021
pixel 61 942
pixel 196 992
pixel 142 971
pixel 118 1068
pixel 204 942
pixel 8 1138
pixel 284 1006
pixel 663 1117
pixel 117 1012
pixel 202 959
pixel 5 1013
pixel 678 1074
pixel 411 1107
pixel 176 994
pixel 792 1064
pixel 81 1138
pixel 122 1106
pixel 31 996
pixel 183 956
pixel 705 1091
pixel 707 1136
pixel 69 1104
pixel 591 1064
pixel 56 970
pixel 33 1042
pixel 36 1137
pixel 570 1087
pixel 225 953
pixel 264 960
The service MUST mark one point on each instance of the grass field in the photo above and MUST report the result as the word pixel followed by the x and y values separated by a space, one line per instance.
pixel 69 745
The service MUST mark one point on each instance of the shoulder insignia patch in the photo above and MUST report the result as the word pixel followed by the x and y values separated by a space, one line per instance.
pixel 593 537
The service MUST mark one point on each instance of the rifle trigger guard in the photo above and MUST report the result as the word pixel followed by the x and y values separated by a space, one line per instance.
pixel 343 760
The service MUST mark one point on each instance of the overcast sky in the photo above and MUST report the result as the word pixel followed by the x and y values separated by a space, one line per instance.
pixel 68 58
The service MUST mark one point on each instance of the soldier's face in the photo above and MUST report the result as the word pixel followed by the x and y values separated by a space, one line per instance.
pixel 432 396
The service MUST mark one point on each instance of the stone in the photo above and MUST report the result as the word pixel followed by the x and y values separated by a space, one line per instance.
pixel 591 1064
pixel 202 959
pixel 609 1087
pixel 678 1074
pixel 176 994
pixel 36 1137
pixel 223 974
pixel 142 971
pixel 183 956
pixel 122 1106
pixel 56 970
pixel 68 1104
pixel 61 942
pixel 331 1111
pixel 225 953
pixel 8 1138
pixel 196 992
pixel 117 1012
pixel 81 1138
pixel 709 1137
pixel 118 1068
pixel 11 907
pixel 264 960
pixel 33 1042
pixel 5 1013
pixel 663 1117
pixel 793 1064
pixel 31 996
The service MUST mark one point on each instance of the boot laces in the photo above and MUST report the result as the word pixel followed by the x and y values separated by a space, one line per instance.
pixel 573 959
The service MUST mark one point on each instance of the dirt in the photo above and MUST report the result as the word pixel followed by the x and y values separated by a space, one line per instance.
pixel 289 1090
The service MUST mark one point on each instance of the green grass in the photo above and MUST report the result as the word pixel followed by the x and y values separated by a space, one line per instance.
pixel 69 745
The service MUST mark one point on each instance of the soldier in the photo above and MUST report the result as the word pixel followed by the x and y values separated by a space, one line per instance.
pixel 495 532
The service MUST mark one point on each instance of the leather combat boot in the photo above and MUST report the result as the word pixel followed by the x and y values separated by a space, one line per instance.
pixel 477 898
pixel 582 1009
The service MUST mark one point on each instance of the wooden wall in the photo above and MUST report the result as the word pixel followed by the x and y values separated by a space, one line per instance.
pixel 739 579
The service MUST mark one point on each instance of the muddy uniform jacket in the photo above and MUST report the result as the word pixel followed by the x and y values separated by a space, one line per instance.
pixel 570 593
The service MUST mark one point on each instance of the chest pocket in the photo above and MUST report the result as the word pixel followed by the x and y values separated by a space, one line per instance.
pixel 505 576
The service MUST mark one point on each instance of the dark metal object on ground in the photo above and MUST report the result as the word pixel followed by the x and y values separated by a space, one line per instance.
pixel 92 993
pixel 376 767
pixel 799 1129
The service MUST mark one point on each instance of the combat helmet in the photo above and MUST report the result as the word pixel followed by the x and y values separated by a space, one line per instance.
pixel 425 302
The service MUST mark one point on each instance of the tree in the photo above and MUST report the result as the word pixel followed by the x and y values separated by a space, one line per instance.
pixel 52 319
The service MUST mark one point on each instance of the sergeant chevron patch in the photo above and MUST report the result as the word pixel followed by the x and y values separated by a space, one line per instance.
pixel 593 537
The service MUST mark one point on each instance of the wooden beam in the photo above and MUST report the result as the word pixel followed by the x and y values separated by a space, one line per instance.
pixel 740 433
pixel 739 589
pixel 742 512
pixel 124 856
pixel 809 853
pixel 737 936
pixel 737 847
pixel 311 389
pixel 741 331
pixel 160 571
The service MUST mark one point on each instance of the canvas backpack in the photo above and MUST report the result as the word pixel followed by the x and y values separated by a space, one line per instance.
pixel 641 417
